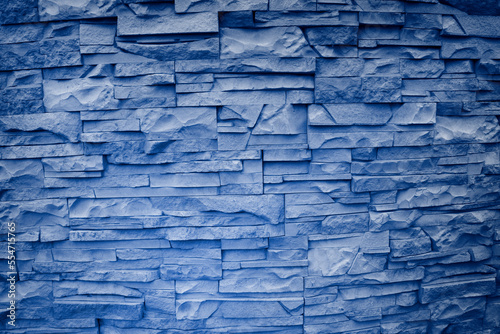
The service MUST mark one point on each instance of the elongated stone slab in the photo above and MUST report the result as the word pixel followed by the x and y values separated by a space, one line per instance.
pixel 359 114
pixel 204 48
pixel 155 19
pixel 464 288
pixel 257 64
pixel 267 207
pixel 260 285
pixel 77 95
pixel 280 41
pixel 181 123
pixel 472 25
pixel 194 6
pixel 53 10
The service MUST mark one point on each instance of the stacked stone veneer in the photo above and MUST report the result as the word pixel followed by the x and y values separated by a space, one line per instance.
pixel 251 166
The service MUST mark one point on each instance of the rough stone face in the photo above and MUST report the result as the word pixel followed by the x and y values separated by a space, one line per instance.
pixel 485 7
pixel 348 67
pixel 61 123
pixel 425 68
pixel 478 129
pixel 414 113
pixel 161 19
pixel 194 271
pixel 465 288
pixel 180 123
pixel 99 307
pixel 353 140
pixel 332 35
pixel 188 6
pixel 358 114
pixel 469 48
pixel 53 10
pixel 20 173
pixel 282 120
pixel 469 25
pixel 196 49
pixel 19 11
pixel 34 55
pixel 355 90
pixel 256 285
pixel 76 95
pixel 280 42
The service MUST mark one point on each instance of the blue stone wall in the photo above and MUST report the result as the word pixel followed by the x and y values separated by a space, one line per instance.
pixel 251 166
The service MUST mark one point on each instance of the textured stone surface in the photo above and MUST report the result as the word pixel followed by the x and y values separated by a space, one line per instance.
pixel 76 95
pixel 19 11
pixel 190 49
pixel 195 6
pixel 467 130
pixel 162 19
pixel 53 10
pixel 180 123
pixel 280 42
pixel 251 166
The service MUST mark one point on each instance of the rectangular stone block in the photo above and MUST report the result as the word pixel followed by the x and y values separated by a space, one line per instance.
pixel 191 271
pixel 297 211
pixel 359 114
pixel 267 208
pixel 341 67
pixel 180 123
pixel 319 140
pixel 135 69
pixel 120 125
pixel 414 113
pixel 193 6
pixel 261 82
pixel 107 181
pixel 231 98
pixel 40 151
pixel 361 183
pixel 456 288
pixel 97 34
pixel 74 164
pixel 421 68
pixel 256 285
pixel 79 94
pixel 83 255
pixel 247 43
pixel 55 10
pixel 135 21
pixel 396 19
pixel 19 11
pixel 300 18
pixel 296 5
pixel 332 35
pixel 21 173
pixel 469 48
pixel 480 129
pixel 118 309
pixel 254 243
pixel 72 288
pixel 258 64
pixel 345 223
pixel 185 180
pixel 471 25
pixel 351 90
pixel 144 92
pixel 35 55
pixel 63 124
pixel 202 47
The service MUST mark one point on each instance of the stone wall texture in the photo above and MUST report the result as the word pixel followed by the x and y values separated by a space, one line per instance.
pixel 251 166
